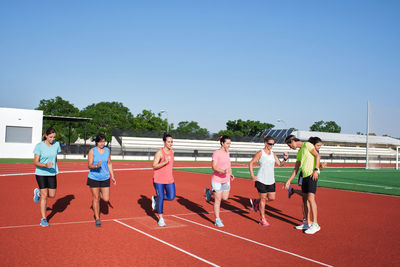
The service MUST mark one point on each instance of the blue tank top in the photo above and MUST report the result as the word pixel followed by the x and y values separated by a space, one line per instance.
pixel 102 173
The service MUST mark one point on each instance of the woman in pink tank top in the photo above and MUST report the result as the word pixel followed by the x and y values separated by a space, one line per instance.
pixel 221 177
pixel 163 179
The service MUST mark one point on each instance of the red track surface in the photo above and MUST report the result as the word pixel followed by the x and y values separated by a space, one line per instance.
pixel 357 228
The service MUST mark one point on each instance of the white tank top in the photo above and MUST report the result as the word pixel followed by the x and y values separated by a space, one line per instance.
pixel 265 174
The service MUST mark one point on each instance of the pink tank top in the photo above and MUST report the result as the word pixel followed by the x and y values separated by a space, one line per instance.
pixel 223 162
pixel 164 174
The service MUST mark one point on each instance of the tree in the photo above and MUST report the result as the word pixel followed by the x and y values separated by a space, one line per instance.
pixel 60 107
pixel 230 133
pixel 247 128
pixel 191 127
pixel 147 120
pixel 322 126
pixel 106 116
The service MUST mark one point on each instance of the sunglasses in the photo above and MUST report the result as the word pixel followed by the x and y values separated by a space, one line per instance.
pixel 271 144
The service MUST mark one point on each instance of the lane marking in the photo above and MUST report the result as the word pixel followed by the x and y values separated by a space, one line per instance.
pixel 337 182
pixel 76 171
pixel 252 241
pixel 166 243
pixel 120 219
pixel 140 169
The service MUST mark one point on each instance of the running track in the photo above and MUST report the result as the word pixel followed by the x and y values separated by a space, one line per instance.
pixel 357 228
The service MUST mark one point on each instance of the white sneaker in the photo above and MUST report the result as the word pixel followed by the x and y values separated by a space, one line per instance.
pixel 218 222
pixel 153 202
pixel 303 226
pixel 161 222
pixel 313 229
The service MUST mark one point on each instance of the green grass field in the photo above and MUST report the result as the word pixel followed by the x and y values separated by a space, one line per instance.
pixel 382 181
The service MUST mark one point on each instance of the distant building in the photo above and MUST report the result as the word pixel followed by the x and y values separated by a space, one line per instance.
pixel 20 131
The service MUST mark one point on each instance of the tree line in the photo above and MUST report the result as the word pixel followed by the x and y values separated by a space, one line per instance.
pixel 106 116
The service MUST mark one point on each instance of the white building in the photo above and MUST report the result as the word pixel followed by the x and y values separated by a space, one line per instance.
pixel 20 131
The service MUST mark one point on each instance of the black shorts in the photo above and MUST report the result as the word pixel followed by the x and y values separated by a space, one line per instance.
pixel 309 185
pixel 264 188
pixel 46 181
pixel 93 183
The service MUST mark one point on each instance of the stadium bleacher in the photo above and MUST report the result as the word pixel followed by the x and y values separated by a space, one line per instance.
pixel 141 148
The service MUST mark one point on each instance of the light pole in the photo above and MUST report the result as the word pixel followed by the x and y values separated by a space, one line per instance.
pixel 166 114
pixel 279 120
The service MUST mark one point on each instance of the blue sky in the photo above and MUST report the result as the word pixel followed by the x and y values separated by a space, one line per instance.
pixel 208 61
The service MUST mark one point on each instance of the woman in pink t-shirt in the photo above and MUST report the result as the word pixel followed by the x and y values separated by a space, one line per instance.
pixel 163 180
pixel 220 179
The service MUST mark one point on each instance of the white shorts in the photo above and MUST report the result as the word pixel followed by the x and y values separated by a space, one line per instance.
pixel 219 187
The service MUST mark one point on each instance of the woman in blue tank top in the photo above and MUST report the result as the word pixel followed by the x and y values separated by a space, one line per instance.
pixel 99 163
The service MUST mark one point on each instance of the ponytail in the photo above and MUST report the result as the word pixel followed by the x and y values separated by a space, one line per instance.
pixel 314 140
pixel 165 135
pixel 223 138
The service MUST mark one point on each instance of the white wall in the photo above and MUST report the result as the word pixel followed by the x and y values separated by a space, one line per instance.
pixel 21 118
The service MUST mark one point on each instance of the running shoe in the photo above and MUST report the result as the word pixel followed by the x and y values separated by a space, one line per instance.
pixel 208 194
pixel 290 191
pixel 313 229
pixel 254 204
pixel 161 222
pixel 97 223
pixel 264 222
pixel 303 226
pixel 44 222
pixel 153 202
pixel 218 222
pixel 36 195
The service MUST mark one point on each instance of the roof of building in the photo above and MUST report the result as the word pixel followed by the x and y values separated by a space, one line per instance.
pixel 348 138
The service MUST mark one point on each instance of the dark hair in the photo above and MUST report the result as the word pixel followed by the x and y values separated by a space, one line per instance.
pixel 165 135
pixel 99 137
pixel 49 131
pixel 267 138
pixel 291 137
pixel 314 140
pixel 223 138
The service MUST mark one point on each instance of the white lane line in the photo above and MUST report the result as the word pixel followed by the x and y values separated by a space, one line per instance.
pixel 166 243
pixel 252 241
pixel 337 182
pixel 32 173
pixel 120 219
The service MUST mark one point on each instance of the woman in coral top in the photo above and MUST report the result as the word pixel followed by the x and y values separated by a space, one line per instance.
pixel 163 180
pixel 221 177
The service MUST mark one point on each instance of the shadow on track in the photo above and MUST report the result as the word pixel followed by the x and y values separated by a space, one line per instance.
pixel 269 210
pixel 145 204
pixel 60 206
pixel 194 207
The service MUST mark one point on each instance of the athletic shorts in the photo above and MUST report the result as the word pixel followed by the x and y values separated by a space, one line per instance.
pixel 309 185
pixel 46 181
pixel 94 183
pixel 264 188
pixel 219 187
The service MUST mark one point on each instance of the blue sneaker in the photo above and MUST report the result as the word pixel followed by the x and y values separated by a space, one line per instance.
pixel 44 222
pixel 161 222
pixel 208 194
pixel 36 195
pixel 218 222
